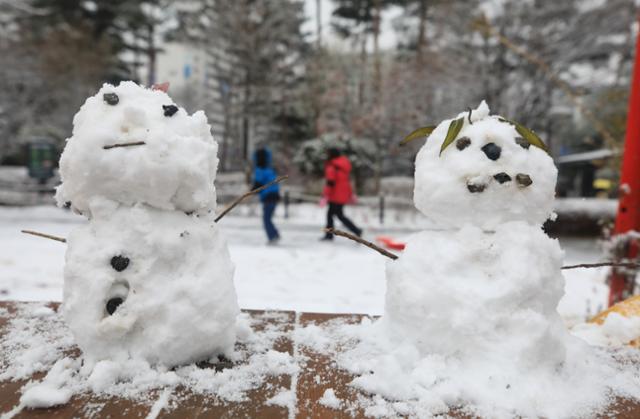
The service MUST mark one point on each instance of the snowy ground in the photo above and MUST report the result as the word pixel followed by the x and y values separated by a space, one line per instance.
pixel 301 273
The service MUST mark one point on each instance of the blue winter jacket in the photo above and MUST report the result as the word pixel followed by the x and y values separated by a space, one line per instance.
pixel 264 175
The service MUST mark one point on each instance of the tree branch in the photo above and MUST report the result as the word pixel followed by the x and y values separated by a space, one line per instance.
pixel 246 195
pixel 601 264
pixel 362 241
pixel 46 236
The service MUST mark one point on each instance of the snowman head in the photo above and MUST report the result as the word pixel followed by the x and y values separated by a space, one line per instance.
pixel 173 165
pixel 484 170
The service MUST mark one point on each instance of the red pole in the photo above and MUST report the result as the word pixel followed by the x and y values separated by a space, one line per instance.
pixel 628 217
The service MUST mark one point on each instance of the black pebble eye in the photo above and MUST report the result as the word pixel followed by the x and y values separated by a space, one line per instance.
pixel 522 143
pixel 169 110
pixel 492 151
pixel 113 304
pixel 119 263
pixel 111 98
pixel 463 142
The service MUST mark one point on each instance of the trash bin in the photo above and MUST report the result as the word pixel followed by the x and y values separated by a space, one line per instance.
pixel 41 160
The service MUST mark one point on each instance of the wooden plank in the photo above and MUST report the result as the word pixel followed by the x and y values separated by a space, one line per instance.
pixel 321 374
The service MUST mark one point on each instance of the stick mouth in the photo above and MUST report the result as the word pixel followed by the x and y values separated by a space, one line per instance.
pixel 123 144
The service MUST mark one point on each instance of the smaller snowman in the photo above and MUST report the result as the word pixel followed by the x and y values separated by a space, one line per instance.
pixel 486 279
pixel 149 276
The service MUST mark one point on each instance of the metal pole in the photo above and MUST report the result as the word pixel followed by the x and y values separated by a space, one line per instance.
pixel 628 217
pixel 286 204
pixel 381 209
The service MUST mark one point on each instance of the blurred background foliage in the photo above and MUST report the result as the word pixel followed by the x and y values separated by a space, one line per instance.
pixel 299 74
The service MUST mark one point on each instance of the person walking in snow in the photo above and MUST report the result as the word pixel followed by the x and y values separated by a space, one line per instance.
pixel 337 190
pixel 264 173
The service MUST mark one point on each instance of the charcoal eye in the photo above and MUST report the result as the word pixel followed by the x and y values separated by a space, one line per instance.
pixel 111 98
pixel 463 142
pixel 169 110
pixel 119 263
pixel 112 305
pixel 522 143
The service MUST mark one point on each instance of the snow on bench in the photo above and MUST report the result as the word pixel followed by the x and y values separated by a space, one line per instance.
pixel 277 375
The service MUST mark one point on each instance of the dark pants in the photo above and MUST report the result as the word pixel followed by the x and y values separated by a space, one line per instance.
pixel 268 208
pixel 336 210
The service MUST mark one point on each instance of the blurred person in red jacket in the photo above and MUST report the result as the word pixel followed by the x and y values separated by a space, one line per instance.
pixel 337 190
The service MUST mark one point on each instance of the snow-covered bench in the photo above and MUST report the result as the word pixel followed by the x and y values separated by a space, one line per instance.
pixel 315 389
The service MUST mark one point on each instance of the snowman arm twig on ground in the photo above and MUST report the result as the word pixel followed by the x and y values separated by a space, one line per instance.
pixel 107 147
pixel 246 195
pixel 601 264
pixel 362 241
pixel 46 236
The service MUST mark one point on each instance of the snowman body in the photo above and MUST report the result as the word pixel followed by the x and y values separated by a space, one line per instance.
pixel 485 279
pixel 149 276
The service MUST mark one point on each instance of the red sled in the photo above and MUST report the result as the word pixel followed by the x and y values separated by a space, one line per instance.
pixel 390 243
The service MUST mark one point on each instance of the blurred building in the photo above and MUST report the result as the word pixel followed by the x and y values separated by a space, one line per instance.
pixel 199 79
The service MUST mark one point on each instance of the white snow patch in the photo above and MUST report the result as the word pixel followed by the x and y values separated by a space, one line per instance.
pixel 616 330
pixel 284 398
pixel 329 399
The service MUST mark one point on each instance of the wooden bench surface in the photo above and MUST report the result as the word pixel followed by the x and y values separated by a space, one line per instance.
pixel 317 374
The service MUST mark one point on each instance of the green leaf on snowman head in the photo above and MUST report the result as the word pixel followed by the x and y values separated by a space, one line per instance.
pixel 454 129
pixel 530 136
pixel 419 133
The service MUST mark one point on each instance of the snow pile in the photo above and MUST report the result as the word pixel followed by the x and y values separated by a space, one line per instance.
pixel 174 169
pixel 470 313
pixel 329 399
pixel 149 277
pixel 35 343
pixel 616 330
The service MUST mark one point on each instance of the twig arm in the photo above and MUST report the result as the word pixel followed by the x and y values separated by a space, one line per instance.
pixel 362 241
pixel 601 264
pixel 244 196
pixel 46 236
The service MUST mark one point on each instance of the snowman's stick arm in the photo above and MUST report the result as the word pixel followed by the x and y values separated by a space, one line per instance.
pixel 46 236
pixel 600 264
pixel 242 197
pixel 360 240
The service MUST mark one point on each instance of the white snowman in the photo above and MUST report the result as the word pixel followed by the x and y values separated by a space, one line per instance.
pixel 149 276
pixel 486 278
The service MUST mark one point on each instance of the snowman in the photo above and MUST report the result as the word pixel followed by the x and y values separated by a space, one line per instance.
pixel 149 276
pixel 485 279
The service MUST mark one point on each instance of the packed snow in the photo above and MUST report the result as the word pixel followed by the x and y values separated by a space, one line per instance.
pixel 177 301
pixel 149 276
pixel 509 179
pixel 174 169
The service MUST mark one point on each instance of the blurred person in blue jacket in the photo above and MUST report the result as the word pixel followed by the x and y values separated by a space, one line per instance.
pixel 264 173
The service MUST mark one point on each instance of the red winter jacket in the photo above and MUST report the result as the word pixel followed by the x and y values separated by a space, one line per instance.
pixel 338 187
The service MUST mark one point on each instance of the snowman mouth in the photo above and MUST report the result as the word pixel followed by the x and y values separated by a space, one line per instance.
pixel 117 295
pixel 479 184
